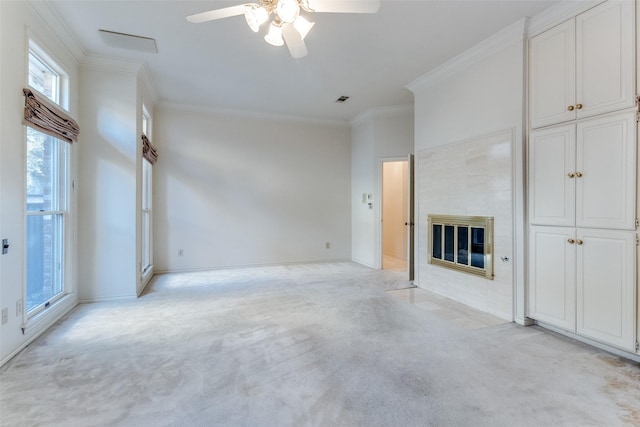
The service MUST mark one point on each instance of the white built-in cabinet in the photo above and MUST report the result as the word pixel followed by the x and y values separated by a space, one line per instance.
pixel 583 281
pixel 583 174
pixel 582 185
pixel 583 67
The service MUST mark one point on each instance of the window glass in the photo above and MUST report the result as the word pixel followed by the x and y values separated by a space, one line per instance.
pixel 448 243
pixel 43 78
pixel 44 259
pixel 463 245
pixel 437 241
pixel 477 247
pixel 43 163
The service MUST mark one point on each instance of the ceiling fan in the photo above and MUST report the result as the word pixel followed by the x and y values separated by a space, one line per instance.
pixel 287 23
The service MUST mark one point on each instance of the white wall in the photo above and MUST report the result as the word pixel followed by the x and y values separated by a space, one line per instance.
pixel 363 181
pixel 237 190
pixel 107 192
pixel 383 133
pixel 476 95
pixel 19 21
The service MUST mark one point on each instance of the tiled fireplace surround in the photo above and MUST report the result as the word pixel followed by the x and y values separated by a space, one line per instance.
pixel 472 177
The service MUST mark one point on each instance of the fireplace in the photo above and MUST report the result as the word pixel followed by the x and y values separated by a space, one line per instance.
pixel 463 243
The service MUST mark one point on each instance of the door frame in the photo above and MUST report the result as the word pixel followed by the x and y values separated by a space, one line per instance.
pixel 409 158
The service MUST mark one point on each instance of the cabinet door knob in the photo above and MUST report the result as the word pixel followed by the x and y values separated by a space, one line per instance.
pixel 579 174
pixel 578 106
pixel 571 241
pixel 579 242
pixel 571 174
pixel 570 108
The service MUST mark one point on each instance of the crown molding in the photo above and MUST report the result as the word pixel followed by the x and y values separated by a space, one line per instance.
pixel 203 109
pixel 559 13
pixel 514 33
pixel 59 27
pixel 388 111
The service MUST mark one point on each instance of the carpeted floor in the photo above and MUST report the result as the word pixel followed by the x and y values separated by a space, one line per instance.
pixel 305 345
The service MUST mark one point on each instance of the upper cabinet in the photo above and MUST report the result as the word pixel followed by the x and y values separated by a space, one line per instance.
pixel 583 67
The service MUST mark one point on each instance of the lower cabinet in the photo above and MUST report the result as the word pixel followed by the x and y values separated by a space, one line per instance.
pixel 583 281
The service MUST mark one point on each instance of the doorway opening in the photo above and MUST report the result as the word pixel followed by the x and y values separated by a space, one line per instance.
pixel 396 216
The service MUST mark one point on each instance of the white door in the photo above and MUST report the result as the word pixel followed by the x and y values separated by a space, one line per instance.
pixel 606 172
pixel 606 286
pixel 552 87
pixel 605 61
pixel 410 216
pixel 552 176
pixel 552 276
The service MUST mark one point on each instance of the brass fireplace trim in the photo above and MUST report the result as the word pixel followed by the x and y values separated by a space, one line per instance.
pixel 485 222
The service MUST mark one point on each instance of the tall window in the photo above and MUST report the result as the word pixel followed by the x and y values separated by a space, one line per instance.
pixel 147 181
pixel 47 168
pixel 146 214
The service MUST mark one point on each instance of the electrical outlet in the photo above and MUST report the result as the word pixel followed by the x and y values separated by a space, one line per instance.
pixel 327 245
pixel 5 315
pixel 19 308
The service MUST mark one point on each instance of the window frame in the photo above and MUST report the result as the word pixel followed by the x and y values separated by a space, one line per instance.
pixel 146 211
pixel 61 209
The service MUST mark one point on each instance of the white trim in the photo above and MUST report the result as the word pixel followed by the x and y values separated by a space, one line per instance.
pixel 559 13
pixel 514 33
pixel 107 299
pixel 596 344
pixel 57 26
pixel 364 264
pixel 250 114
pixel 392 110
pixel 42 322
pixel 145 279
pixel 269 264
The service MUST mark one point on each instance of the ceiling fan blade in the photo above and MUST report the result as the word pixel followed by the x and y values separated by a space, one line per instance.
pixel 296 45
pixel 216 14
pixel 345 6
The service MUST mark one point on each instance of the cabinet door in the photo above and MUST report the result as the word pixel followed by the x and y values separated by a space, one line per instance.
pixel 552 75
pixel 606 161
pixel 551 176
pixel 605 60
pixel 606 286
pixel 552 276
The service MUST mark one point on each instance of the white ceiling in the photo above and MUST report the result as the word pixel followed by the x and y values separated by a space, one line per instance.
pixel 223 64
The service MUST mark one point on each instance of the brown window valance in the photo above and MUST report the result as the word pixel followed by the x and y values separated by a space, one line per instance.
pixel 149 152
pixel 42 114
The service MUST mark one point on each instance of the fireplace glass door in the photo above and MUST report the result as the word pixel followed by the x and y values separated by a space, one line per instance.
pixel 462 243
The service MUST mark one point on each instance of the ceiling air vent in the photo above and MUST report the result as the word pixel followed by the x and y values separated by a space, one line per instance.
pixel 129 41
pixel 342 99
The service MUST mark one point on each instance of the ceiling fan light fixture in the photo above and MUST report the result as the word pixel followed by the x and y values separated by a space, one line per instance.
pixel 274 36
pixel 255 16
pixel 288 10
pixel 303 26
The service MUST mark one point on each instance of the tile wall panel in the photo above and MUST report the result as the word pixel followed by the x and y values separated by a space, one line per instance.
pixel 472 177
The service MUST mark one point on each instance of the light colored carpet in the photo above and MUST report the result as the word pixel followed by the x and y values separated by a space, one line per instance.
pixel 307 345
